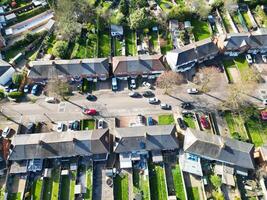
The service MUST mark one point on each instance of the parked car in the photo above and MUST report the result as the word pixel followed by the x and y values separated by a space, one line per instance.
pixel 114 84
pixel 35 89
pixel 147 85
pixel 187 113
pixel 134 94
pixel 204 122
pixel 148 94
pixel 165 106
pixel 60 127
pixel 264 58
pixel 91 97
pixel 50 100
pixel 75 125
pixel 133 84
pixel 181 123
pixel 153 100
pixel 192 91
pixel 7 88
pixel 187 105
pixel 140 119
pixel 264 101
pixel 88 111
pixel 100 123
pixel 150 121
pixel 6 132
pixel 26 89
pixel 30 128
pixel 249 59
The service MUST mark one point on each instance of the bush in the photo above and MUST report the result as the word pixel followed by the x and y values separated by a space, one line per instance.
pixel 17 78
pixel 15 95
pixel 60 49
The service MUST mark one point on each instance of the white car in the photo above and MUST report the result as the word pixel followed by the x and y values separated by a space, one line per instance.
pixel 6 132
pixel 100 124
pixel 153 100
pixel 249 59
pixel 60 127
pixel 192 91
pixel 50 100
pixel 146 84
pixel 264 58
pixel 133 84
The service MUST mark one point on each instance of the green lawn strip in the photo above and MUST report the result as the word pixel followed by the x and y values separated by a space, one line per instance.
pixel 154 40
pixel 31 13
pixel 226 23
pixel 37 189
pixel 48 182
pixel 65 187
pixel 190 122
pixel 141 184
pixel 14 196
pixel 242 65
pixel 104 43
pixel 228 64
pixel 88 124
pixel 193 193
pixel 167 44
pixel 121 187
pixel 72 184
pixel 165 119
pixel 130 40
pixel 117 47
pixel 89 186
pixel 256 133
pixel 51 41
pixel 178 183
pixel 55 183
pixel 157 182
pixel 201 29
pixel 247 20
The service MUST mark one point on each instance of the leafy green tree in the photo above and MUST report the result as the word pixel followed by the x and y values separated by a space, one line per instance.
pixel 180 13
pixel 140 19
pixel 123 7
pixel 216 181
pixel 60 49
pixel 17 78
pixel 261 15
pixel 117 18
pixel 218 195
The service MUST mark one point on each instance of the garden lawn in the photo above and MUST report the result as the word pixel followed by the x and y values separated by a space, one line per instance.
pixel 104 44
pixel 201 29
pixel 190 122
pixel 65 187
pixel 14 196
pixel 73 175
pixel 83 49
pixel 192 193
pixel 55 184
pixel 37 189
pixel 141 184
pixel 226 23
pixel 47 188
pixel 247 19
pixel 121 188
pixel 51 41
pixel 87 124
pixel 154 40
pixel 166 45
pixel 157 182
pixel 228 64
pixel 165 5
pixel 130 40
pixel 178 183
pixel 117 47
pixel 242 64
pixel 89 186
pixel 165 119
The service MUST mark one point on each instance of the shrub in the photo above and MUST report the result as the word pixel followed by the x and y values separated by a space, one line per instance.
pixel 60 49
pixel 17 78
pixel 15 95
pixel 2 94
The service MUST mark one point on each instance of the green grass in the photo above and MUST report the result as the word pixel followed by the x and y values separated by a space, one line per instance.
pixel 157 182
pixel 55 184
pixel 201 29
pixel 117 47
pixel 154 40
pixel 178 183
pixel 87 124
pixel 51 41
pixel 192 193
pixel 247 20
pixel 166 45
pixel 73 175
pixel 141 184
pixel 241 64
pixel 228 64
pixel 37 189
pixel 165 5
pixel 130 40
pixel 47 188
pixel 121 187
pixel 65 187
pixel 89 186
pixel 190 122
pixel 104 44
pixel 84 49
pixel 165 119
pixel 226 23
pixel 14 196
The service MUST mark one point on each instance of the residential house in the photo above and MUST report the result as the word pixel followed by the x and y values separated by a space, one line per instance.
pixel 185 58
pixel 116 30
pixel 92 69
pixel 6 72
pixel 221 149
pixel 132 143
pixel 95 144
pixel 147 66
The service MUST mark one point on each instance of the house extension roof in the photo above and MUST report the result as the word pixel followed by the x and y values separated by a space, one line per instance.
pixel 76 67
pixel 4 66
pixel 137 64
pixel 52 145
pixel 218 148
pixel 161 137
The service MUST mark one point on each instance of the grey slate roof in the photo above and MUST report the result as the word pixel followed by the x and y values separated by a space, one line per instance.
pixel 218 148
pixel 66 144
pixel 4 66
pixel 161 137
pixel 76 67
pixel 206 47
pixel 137 64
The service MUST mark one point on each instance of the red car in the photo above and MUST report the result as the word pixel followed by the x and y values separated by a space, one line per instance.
pixel 204 122
pixel 264 115
pixel 88 111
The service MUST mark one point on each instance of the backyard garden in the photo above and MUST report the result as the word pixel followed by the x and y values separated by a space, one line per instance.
pixel 121 187
pixel 201 29
pixel 141 184
pixel 178 183
pixel 165 120
pixel 130 40
pixel 89 186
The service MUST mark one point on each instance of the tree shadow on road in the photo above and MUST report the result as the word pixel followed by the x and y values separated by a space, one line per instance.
pixel 175 97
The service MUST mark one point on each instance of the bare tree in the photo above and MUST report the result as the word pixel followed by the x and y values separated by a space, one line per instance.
pixel 58 87
pixel 168 80
pixel 205 76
